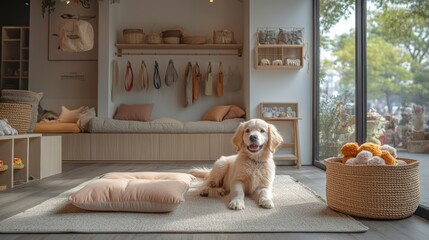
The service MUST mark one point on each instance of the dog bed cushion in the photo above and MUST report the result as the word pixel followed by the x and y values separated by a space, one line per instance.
pixel 134 192
pixel 56 127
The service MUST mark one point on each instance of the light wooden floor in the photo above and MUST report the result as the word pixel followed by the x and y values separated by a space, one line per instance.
pixel 33 193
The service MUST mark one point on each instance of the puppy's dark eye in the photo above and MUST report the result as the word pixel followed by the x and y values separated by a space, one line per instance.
pixel 262 130
pixel 247 130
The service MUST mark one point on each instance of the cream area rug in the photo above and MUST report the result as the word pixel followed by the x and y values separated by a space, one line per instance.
pixel 297 209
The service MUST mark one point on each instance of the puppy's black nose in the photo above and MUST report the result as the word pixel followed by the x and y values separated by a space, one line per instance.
pixel 253 138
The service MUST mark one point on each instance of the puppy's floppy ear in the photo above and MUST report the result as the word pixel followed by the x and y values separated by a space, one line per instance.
pixel 237 139
pixel 274 138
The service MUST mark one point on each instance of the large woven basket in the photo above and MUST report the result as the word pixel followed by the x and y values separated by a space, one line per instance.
pixel 373 191
pixel 18 115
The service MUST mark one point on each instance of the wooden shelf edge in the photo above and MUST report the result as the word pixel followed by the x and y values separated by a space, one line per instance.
pixel 281 119
pixel 126 46
pixel 280 45
pixel 177 46
pixel 277 67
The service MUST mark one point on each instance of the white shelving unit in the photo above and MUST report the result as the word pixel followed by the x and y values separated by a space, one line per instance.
pixel 41 156
pixel 14 58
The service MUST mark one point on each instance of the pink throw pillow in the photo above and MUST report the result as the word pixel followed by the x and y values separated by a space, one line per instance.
pixel 136 112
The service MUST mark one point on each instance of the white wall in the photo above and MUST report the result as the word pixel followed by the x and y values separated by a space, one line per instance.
pixel 45 76
pixel 283 85
pixel 195 17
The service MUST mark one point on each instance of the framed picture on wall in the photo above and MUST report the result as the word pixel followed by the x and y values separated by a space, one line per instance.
pixel 72 12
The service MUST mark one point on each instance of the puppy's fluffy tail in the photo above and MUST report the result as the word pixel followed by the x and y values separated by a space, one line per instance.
pixel 200 172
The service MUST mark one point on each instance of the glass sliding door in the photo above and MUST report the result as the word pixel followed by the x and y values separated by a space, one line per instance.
pixel 398 79
pixel 336 82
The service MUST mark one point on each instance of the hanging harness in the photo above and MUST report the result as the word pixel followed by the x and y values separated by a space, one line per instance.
pixel 143 82
pixel 156 77
pixel 129 77
pixel 171 74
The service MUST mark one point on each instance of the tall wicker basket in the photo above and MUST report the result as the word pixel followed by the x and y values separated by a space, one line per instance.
pixel 373 191
pixel 18 115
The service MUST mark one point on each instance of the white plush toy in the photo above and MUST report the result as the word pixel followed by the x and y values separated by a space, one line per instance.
pixel 277 62
pixel 265 62
pixel 390 149
pixel 6 129
pixel 362 158
pixel 366 158
pixel 376 161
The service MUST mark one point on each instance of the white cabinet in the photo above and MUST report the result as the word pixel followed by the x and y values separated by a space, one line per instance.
pixel 41 157
pixel 14 58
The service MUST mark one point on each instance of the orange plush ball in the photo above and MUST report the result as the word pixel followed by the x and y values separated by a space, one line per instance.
pixel 349 150
pixel 371 147
pixel 388 158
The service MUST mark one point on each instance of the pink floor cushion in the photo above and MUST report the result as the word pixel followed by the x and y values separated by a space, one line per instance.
pixel 134 192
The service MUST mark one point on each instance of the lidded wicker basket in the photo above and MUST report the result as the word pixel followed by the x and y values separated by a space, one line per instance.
pixel 133 35
pixel 18 115
pixel 373 191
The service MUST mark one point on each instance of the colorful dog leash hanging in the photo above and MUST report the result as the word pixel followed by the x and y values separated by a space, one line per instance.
pixel 188 85
pixel 156 77
pixel 129 77
pixel 219 82
pixel 196 77
pixel 171 74
pixel 143 80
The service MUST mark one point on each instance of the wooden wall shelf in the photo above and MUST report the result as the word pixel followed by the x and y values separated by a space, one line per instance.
pixel 281 52
pixel 185 49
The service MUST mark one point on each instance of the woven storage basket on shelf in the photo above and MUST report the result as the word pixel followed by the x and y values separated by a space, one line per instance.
pixel 133 35
pixel 373 191
pixel 18 115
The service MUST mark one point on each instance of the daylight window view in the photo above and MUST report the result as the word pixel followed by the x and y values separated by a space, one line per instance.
pixel 397 78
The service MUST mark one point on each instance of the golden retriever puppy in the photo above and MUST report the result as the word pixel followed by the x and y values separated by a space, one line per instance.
pixel 250 172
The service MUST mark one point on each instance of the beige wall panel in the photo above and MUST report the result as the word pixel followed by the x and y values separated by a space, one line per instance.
pixel 124 146
pixel 220 145
pixel 76 146
pixel 184 147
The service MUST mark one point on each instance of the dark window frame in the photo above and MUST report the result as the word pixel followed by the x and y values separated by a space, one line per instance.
pixel 361 83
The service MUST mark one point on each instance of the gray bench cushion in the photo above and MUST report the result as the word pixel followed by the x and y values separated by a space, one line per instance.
pixel 162 125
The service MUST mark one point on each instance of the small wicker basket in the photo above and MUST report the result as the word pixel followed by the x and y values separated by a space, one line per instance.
pixel 18 115
pixel 133 35
pixel 373 191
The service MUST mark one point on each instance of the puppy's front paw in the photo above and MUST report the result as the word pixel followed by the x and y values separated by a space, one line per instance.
pixel 236 204
pixel 266 203
pixel 221 192
pixel 204 192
